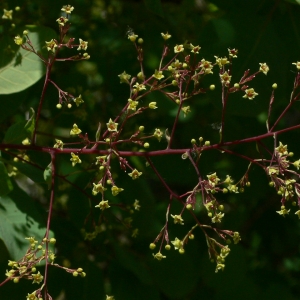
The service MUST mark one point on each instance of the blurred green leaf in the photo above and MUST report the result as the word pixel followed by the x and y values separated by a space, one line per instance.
pixel 19 219
pixel 5 183
pixel 25 68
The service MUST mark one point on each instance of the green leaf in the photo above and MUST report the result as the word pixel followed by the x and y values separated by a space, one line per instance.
pixel 5 183
pixel 20 131
pixel 155 7
pixel 20 68
pixel 19 218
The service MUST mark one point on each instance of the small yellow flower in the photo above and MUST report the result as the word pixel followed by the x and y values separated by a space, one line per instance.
pixel 177 219
pixel 59 144
pixel 186 110
pixel 213 179
pixel 233 53
pixel 139 87
pixel 75 159
pixel 221 61
pixel 236 237
pixel 18 40
pixel 273 170
pixel 115 190
pixel 78 100
pixel 103 204
pixel 111 125
pixel 225 78
pixel 177 244
pixel 298 213
pixel 158 134
pixel 264 68
pixel 195 49
pixel 136 204
pixel 31 296
pixel 51 46
pixel 98 188
pixel 110 297
pixel 75 130
pixel 26 142
pixel 152 105
pixel 166 36
pixel 62 21
pixel 132 105
pixel 67 9
pixel 233 188
pixel 158 256
pixel 217 218
pixel 206 66
pixel 283 211
pixel 82 45
pixel 132 37
pixel 220 267
pixel 135 174
pixel 124 77
pixel 158 75
pixel 297 64
pixel 37 278
pixel 282 149
pixel 7 14
pixel 250 94
pixel 297 164
pixel 178 48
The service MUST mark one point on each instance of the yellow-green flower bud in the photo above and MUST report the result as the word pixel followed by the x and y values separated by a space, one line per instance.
pixel 146 145
pixel 152 246
pixel 168 247
pixel 212 87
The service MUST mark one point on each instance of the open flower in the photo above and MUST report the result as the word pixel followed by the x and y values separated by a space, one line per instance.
pixel 177 219
pixel 115 190
pixel 75 130
pixel 7 14
pixel 103 204
pixel 166 36
pixel 135 174
pixel 297 64
pixel 178 244
pixel 250 94
pixel 78 100
pixel 51 46
pixel 82 45
pixel 75 159
pixel 37 278
pixel 111 125
pixel 221 61
pixel 158 256
pixel 98 188
pixel 195 49
pixel 264 68
pixel 283 211
pixel 178 48
pixel 67 9
pixel 225 78
pixel 158 75
pixel 62 21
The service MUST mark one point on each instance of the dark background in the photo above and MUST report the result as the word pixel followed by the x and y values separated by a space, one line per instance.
pixel 266 264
